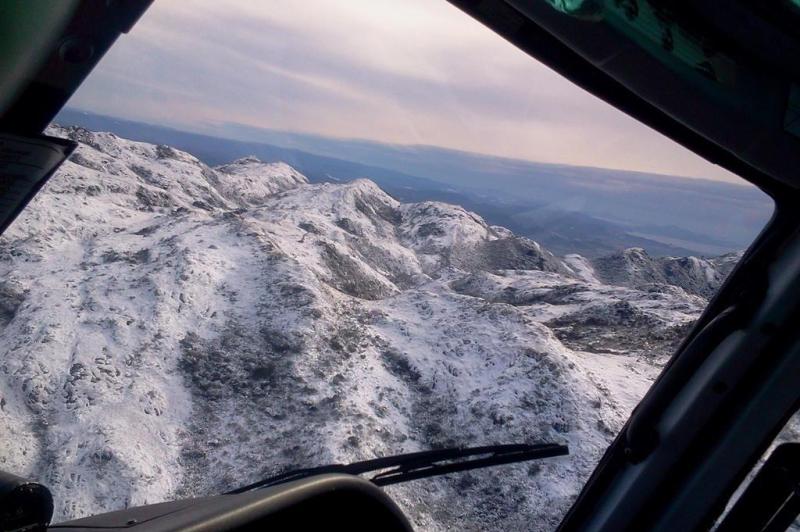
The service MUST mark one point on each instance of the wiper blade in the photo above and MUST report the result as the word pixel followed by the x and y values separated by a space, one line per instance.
pixel 424 464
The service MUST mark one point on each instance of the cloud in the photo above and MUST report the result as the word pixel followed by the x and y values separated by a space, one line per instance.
pixel 411 72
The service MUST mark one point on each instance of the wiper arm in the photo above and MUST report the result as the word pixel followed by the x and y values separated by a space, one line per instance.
pixel 424 464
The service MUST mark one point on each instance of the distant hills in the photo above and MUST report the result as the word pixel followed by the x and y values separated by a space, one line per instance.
pixel 569 209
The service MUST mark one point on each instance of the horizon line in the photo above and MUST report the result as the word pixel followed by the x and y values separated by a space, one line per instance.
pixel 185 129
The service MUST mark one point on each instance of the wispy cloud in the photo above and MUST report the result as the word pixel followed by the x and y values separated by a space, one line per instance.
pixel 413 72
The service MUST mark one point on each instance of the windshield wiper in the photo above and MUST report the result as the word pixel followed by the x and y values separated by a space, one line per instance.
pixel 424 464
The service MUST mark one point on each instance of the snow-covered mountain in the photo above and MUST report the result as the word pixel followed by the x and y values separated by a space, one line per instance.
pixel 170 329
pixel 634 267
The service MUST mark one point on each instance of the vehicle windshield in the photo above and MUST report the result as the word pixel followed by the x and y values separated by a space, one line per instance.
pixel 300 234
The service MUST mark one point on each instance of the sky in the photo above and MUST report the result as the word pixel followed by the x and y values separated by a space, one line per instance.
pixel 402 72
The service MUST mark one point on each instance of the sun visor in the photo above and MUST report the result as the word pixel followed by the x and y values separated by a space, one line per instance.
pixel 26 163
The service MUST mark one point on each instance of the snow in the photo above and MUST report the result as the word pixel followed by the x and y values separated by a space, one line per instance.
pixel 244 179
pixel 170 329
pixel 582 267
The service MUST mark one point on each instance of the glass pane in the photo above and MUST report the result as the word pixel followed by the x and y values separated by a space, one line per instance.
pixel 789 434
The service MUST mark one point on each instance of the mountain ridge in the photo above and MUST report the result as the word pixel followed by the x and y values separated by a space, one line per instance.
pixel 568 209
